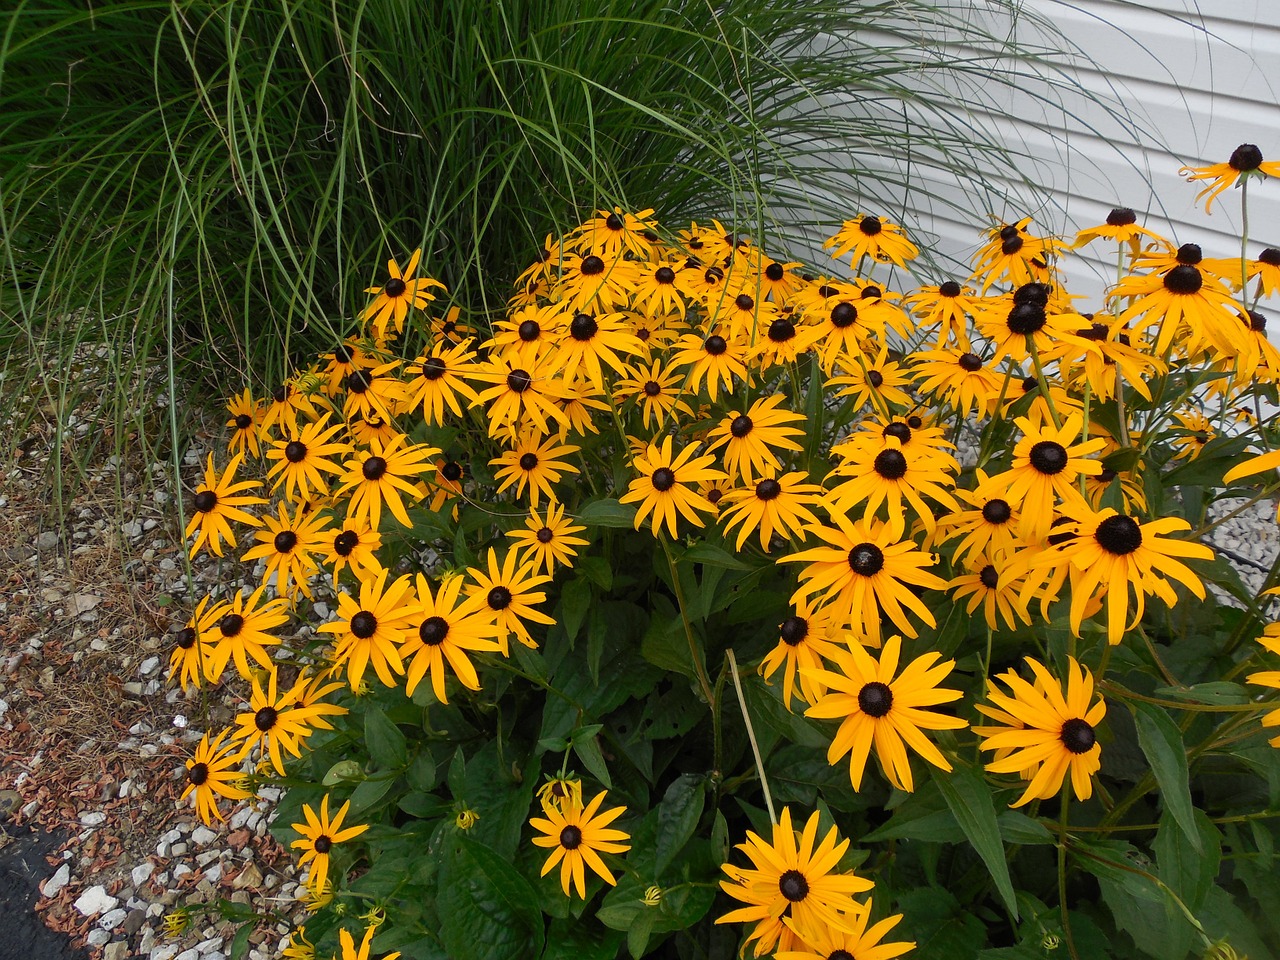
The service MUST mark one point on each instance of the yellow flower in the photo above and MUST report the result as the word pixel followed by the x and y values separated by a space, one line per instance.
pixel 214 771
pixel 371 630
pixel 1245 160
pixel 749 439
pixel 664 487
pixel 441 632
pixel 577 836
pixel 871 236
pixel 317 837
pixel 381 474
pixel 397 295
pixel 548 541
pixel 217 502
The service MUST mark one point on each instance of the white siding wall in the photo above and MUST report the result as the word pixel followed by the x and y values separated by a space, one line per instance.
pixel 1199 77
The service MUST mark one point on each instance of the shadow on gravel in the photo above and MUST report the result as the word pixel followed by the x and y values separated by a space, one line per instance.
pixel 22 867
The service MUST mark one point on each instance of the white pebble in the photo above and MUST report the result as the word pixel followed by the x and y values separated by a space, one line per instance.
pixel 142 873
pixel 94 901
pixel 53 886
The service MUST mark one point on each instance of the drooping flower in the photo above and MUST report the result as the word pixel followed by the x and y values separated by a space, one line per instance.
pixel 1245 160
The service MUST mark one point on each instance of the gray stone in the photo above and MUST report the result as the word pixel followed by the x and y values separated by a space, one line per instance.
pixel 112 918
pixel 47 541
pixel 97 938
pixel 115 951
pixel 142 873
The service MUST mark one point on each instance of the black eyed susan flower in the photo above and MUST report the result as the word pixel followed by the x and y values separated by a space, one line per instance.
pixel 1122 227
pixel 213 771
pixel 590 340
pixel 506 588
pixel 279 722
pixel 1013 255
pixel 867 571
pixel 877 381
pixel 715 490
pixel 548 540
pixel 382 473
pixel 354 353
pixel 397 295
pixel 317 837
pixel 749 439
pixel 287 544
pixel 949 305
pixel 1188 306
pixel 523 392
pixel 437 381
pixel 661 288
pixel 665 486
pixel 1058 732
pixel 364 430
pixel 792 878
pixel 880 711
pixel 988 530
pixel 577 836
pixel 530 330
pixel 534 464
pixel 960 379
pixel 444 628
pixel 1111 554
pixel 656 331
pixel 1030 318
pixel 237 629
pixel 302 459
pixel 188 661
pixel 994 586
pixel 451 328
pixel 1245 161
pixel 595 282
pixel 283 406
pixel 217 503
pixel 615 232
pixel 376 393
pixel 843 335
pixel 741 314
pixel 1194 433
pixel 560 792
pixel 1047 462
pixel 353 544
pixel 857 943
pixel 892 476
pixel 870 236
pixel 370 630
pixel 804 638
pixel 656 391
pixel 246 418
pixel 776 281
pixel 580 403
pixel 712 360
pixel 782 342
pixel 445 485
pixel 543 266
pixel 774 504
pixel 1118 357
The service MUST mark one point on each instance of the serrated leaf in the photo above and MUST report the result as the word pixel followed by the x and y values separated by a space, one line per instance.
pixel 969 799
pixel 1161 741
pixel 607 513
pixel 385 741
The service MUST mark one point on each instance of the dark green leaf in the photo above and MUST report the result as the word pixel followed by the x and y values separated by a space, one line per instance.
pixel 240 943
pixel 571 939
pixel 597 570
pixel 369 792
pixel 487 909
pixel 588 751
pixel 1161 741
pixel 1215 693
pixel 711 555
pixel 575 601
pixel 941 927
pixel 678 817
pixel 385 741
pixel 422 771
pixel 639 931
pixel 607 513
pixel 969 798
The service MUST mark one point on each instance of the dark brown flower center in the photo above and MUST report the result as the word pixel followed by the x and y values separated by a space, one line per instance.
pixel 519 381
pixel 614 222
pixel 395 287
pixel 1119 535
pixel 715 345
pixel 358 381
pixel 827 291
pixel 186 638
pixel 1183 279
pixel 295 451
pixel 875 699
pixel 1245 157
pixel 744 302
pixel 949 289
pixel 1026 318
pixel 345 542
pixel 996 511
pixel 843 315
pixel 1033 293
pixel 1012 245
pixel 285 541
pixel 1189 254
pixel 1257 322
pixel 663 479
pixel 891 464
pixel 793 629
pixel 741 426
pixel 1121 217
pixel 528 461
pixel 875 378
pixel 1270 256
pixel 243 421
pixel 989 577
pixel 870 225
pixel 570 837
pixel 1049 457
pixel 713 275
pixel 452 471
pixel 781 330
pixel 768 489
pixel 774 272
pixel 280 393
pixel 592 266
pixel 373 468
pixel 364 625
pixel 871 292
pixel 231 624
pixel 198 773
pixel 652 388
pixel 866 559
pixel 529 330
pixel 499 598
pixel 433 631
pixel 265 718
pixel 970 362
pixel 583 326
pixel 206 500
pixel 545 535
pixel 793 886
pixel 1078 736
pixel 899 431
pixel 434 368
pixel 323 844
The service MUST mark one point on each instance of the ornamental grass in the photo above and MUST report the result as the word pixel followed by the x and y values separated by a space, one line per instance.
pixel 705 603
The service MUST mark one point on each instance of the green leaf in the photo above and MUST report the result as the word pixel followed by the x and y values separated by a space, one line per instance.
pixel 240 943
pixel 385 741
pixel 588 751
pixel 941 927
pixel 969 798
pixel 607 513
pixel 678 817
pixel 597 570
pixel 488 911
pixel 1215 693
pixel 1161 741
pixel 422 771
pixel 369 792
pixel 575 601
pixel 639 931
pixel 571 939
pixel 710 555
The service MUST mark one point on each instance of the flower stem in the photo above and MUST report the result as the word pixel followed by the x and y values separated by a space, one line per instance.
pixel 1062 872
pixel 699 668
pixel 751 735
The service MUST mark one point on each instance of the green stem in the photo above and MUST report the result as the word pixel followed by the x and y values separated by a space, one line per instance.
pixel 1044 383
pixel 751 735
pixel 1063 823
pixel 699 668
